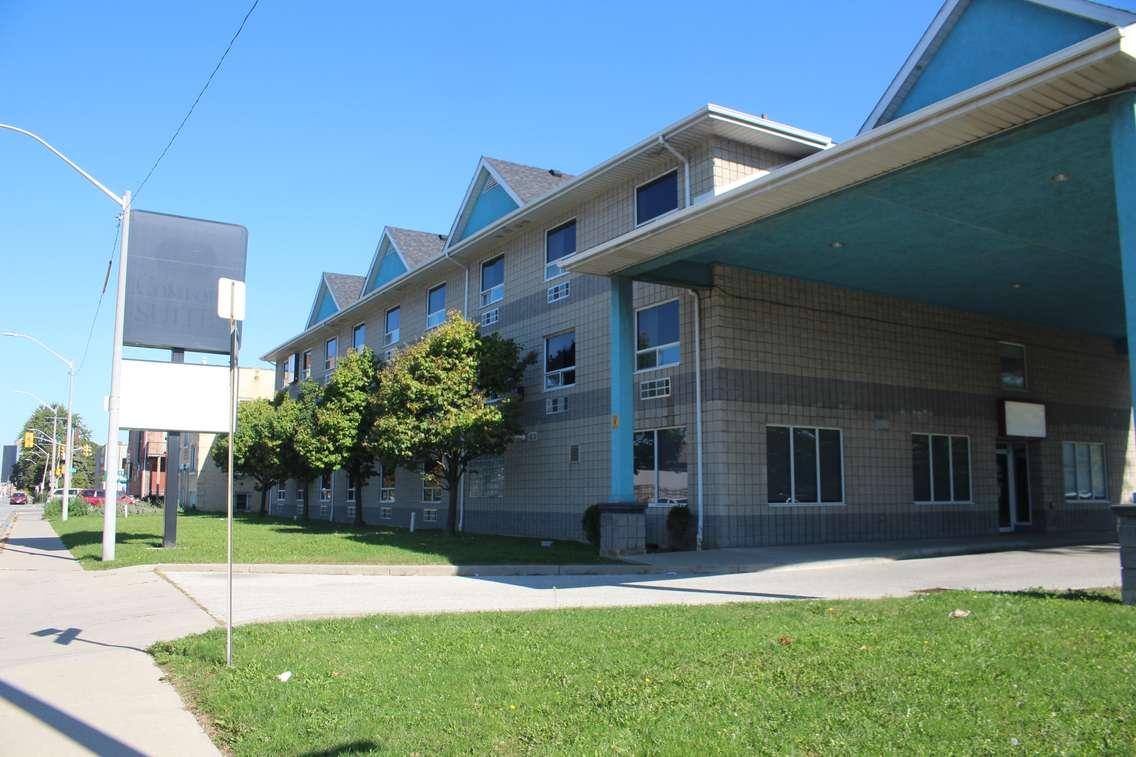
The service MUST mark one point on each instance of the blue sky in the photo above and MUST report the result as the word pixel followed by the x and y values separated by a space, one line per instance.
pixel 329 121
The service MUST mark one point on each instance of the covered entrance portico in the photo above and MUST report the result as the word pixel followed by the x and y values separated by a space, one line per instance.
pixel 1007 209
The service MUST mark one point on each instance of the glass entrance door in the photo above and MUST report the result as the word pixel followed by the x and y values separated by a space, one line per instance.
pixel 1012 470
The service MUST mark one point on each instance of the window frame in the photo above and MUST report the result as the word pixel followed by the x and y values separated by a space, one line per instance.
pixel 793 468
pixel 495 293
pixel 556 227
pixel 1104 470
pixel 655 431
pixel 1025 367
pixel 359 328
pixel 544 363
pixel 678 196
pixel 351 492
pixel 661 347
pixel 282 492
pixel 306 365
pixel 429 313
pixel 330 362
pixel 330 487
pixel 387 341
pixel 950 469
pixel 387 493
pixel 437 487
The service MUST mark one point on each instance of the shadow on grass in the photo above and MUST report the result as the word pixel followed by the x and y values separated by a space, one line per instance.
pixel 1075 595
pixel 364 746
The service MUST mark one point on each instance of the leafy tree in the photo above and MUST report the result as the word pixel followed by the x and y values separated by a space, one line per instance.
pixel 452 397
pixel 345 419
pixel 257 447
pixel 302 454
pixel 31 468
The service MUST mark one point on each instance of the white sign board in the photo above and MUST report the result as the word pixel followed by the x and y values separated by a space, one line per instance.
pixel 174 397
pixel 1025 419
pixel 230 299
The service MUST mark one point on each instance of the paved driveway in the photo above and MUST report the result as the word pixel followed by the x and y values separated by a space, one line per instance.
pixel 273 596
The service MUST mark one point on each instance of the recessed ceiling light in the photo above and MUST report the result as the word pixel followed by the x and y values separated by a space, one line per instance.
pixel 837 245
pixel 1059 178
pixel 1016 285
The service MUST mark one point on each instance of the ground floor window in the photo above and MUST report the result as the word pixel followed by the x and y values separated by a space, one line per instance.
pixel 281 492
pixel 432 482
pixel 386 488
pixel 660 466
pixel 350 488
pixel 804 465
pixel 487 477
pixel 325 487
pixel 1084 470
pixel 940 467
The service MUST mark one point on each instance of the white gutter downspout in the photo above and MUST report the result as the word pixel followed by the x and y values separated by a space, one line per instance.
pixel 685 168
pixel 698 413
pixel 465 312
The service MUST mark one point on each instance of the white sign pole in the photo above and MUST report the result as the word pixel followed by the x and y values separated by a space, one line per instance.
pixel 231 305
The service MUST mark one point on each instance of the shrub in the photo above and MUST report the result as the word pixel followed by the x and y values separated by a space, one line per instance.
pixel 77 507
pixel 591 524
pixel 679 519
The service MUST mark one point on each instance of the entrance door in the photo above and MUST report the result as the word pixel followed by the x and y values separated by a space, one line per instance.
pixel 1012 466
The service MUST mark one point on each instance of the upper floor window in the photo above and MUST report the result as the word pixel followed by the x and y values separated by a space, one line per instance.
pixel 436 306
pixel 656 197
pixel 804 465
pixel 350 487
pixel 560 360
pixel 359 337
pixel 657 341
pixel 940 468
pixel 493 280
pixel 391 327
pixel 558 243
pixel 286 371
pixel 386 487
pixel 331 354
pixel 1084 470
pixel 307 368
pixel 1012 365
pixel 325 487
pixel 294 367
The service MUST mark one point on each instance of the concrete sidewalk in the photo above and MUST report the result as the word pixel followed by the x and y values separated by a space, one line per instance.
pixel 74 676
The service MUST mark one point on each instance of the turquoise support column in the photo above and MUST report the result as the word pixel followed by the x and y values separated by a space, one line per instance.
pixel 1124 181
pixel 622 391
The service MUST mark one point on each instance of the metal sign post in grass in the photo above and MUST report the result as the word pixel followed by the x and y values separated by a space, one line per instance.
pixel 231 305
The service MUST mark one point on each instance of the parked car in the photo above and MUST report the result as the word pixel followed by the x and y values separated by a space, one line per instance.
pixel 18 498
pixel 97 497
pixel 58 493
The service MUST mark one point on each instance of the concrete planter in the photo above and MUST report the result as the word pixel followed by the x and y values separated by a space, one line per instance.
pixel 623 529
pixel 1126 531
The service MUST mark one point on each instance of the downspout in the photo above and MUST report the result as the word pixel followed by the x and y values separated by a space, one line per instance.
pixel 465 312
pixel 685 168
pixel 698 412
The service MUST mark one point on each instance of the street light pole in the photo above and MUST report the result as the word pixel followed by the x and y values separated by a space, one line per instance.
pixel 112 460
pixel 70 443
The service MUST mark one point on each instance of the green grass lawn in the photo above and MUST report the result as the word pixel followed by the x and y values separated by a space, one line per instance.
pixel 201 539
pixel 1025 672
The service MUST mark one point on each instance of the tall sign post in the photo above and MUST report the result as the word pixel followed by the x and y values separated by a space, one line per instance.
pixel 231 305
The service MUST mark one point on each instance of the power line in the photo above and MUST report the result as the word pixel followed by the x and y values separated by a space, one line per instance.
pixel 102 294
pixel 198 98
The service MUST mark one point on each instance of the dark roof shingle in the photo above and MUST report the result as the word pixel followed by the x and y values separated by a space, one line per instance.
pixel 345 288
pixel 417 247
pixel 528 182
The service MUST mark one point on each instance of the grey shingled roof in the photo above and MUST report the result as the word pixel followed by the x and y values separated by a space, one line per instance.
pixel 344 287
pixel 528 182
pixel 417 247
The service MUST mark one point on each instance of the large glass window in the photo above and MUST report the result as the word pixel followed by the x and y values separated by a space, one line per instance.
pixel 804 465
pixel 436 306
pixel 1084 470
pixel 392 334
pixel 286 372
pixel 661 466
pixel 331 354
pixel 386 488
pixel 940 467
pixel 1012 365
pixel 493 280
pixel 560 360
pixel 359 337
pixel 307 372
pixel 657 342
pixel 656 197
pixel 558 243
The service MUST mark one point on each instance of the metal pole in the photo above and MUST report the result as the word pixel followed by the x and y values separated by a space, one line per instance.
pixel 173 452
pixel 112 461
pixel 54 445
pixel 233 348
pixel 70 444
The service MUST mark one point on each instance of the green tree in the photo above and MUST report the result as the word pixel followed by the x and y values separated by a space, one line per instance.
pixel 345 420
pixel 302 454
pixel 257 447
pixel 452 397
pixel 32 466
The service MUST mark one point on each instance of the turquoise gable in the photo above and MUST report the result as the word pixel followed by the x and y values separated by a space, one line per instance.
pixel 325 307
pixel 491 204
pixel 991 38
pixel 390 268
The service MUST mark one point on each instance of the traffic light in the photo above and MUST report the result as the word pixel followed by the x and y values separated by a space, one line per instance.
pixel 29 439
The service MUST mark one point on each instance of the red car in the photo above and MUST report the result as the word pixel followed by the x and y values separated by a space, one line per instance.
pixel 18 498
pixel 97 497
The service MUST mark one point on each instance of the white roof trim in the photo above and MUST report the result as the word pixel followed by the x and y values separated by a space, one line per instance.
pixel 385 235
pixel 472 194
pixel 944 22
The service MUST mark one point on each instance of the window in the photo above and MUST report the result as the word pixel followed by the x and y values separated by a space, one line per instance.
pixel 487 478
pixel 286 371
pixel 436 306
pixel 558 243
pixel 386 512
pixel 301 493
pixel 940 467
pixel 1084 470
pixel 558 292
pixel 359 337
pixel 804 465
pixel 295 367
pixel 655 388
pixel 331 352
pixel 391 322
pixel 350 487
pixel 430 515
pixel 560 360
pixel 656 335
pixel 1012 365
pixel 432 482
pixel 656 197
pixel 490 317
pixel 325 487
pixel 307 372
pixel 660 466
pixel 492 280
pixel 281 492
pixel 555 405
pixel 386 487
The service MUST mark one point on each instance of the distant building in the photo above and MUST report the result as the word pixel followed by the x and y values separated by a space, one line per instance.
pixel 146 463
pixel 8 463
pixel 100 463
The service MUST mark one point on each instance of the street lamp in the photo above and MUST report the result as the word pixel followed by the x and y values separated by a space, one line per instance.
pixel 112 461
pixel 52 457
pixel 69 447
